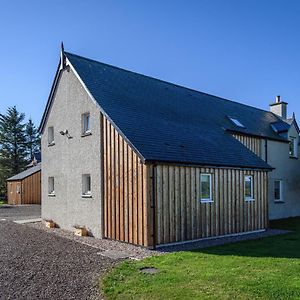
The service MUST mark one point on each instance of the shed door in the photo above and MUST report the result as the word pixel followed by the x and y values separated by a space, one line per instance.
pixel 18 193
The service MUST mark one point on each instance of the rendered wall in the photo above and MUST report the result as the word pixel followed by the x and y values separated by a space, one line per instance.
pixel 288 170
pixel 68 159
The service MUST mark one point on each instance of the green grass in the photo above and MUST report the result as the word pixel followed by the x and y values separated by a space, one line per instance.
pixel 2 202
pixel 266 268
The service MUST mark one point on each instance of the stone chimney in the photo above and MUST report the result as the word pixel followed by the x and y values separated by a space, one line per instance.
pixel 279 108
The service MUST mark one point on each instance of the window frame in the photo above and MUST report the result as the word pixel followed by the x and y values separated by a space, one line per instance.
pixel 281 199
pixel 251 197
pixel 84 130
pixel 51 186
pixel 51 142
pixel 236 122
pixel 292 141
pixel 210 199
pixel 85 192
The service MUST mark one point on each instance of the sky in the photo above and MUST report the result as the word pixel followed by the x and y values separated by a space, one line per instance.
pixel 243 50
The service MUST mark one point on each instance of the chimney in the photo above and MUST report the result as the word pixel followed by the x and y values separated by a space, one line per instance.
pixel 279 108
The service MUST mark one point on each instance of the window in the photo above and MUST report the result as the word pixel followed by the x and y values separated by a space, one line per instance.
pixel 236 122
pixel 292 147
pixel 206 189
pixel 248 188
pixel 51 191
pixel 86 185
pixel 278 196
pixel 86 126
pixel 50 136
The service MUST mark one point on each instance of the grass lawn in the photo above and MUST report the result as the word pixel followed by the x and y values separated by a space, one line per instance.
pixel 267 268
pixel 2 202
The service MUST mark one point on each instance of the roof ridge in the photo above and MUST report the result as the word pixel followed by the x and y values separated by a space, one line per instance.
pixel 170 83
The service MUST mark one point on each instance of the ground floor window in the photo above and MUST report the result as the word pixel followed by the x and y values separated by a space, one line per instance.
pixel 86 185
pixel 51 190
pixel 248 186
pixel 278 196
pixel 206 188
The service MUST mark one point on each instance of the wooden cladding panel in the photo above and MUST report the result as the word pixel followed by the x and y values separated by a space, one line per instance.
pixel 127 191
pixel 31 189
pixel 181 216
pixel 252 143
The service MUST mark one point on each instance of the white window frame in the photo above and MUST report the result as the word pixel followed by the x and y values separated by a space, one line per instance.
pixel 51 186
pixel 281 199
pixel 251 197
pixel 210 199
pixel 293 140
pixel 86 192
pixel 86 130
pixel 51 136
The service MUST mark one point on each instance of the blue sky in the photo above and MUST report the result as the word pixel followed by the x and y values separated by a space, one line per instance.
pixel 243 50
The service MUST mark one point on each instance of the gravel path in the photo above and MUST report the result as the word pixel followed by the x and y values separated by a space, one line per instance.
pixel 136 252
pixel 20 212
pixel 38 265
pixel 105 246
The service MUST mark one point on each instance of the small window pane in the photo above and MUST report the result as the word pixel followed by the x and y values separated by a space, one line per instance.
pixel 51 185
pixel 236 122
pixel 86 184
pixel 277 190
pixel 86 123
pixel 206 187
pixel 248 187
pixel 292 147
pixel 50 135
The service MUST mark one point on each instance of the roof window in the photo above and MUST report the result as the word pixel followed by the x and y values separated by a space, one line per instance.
pixel 236 122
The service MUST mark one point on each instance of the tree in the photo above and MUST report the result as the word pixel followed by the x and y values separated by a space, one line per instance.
pixel 13 152
pixel 33 139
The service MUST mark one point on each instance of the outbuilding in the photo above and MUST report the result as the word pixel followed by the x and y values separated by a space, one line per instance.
pixel 25 187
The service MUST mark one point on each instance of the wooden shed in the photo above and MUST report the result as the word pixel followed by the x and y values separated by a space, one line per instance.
pixel 25 187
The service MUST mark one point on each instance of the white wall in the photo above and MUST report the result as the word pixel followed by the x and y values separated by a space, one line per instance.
pixel 288 170
pixel 68 159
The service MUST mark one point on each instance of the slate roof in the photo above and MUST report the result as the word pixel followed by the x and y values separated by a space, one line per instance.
pixel 165 122
pixel 26 173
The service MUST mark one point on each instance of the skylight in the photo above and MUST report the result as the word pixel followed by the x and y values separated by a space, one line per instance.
pixel 236 122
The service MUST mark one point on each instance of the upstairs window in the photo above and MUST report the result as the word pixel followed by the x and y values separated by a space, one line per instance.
pixel 248 186
pixel 236 122
pixel 206 188
pixel 50 136
pixel 278 197
pixel 51 191
pixel 86 185
pixel 85 123
pixel 292 147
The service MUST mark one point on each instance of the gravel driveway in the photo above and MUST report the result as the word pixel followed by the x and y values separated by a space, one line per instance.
pixel 21 212
pixel 39 265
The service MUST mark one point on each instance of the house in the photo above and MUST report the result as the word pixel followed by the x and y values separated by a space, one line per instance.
pixel 144 161
pixel 37 158
pixel 25 187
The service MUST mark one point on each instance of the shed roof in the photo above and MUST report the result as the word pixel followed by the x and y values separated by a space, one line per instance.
pixel 26 173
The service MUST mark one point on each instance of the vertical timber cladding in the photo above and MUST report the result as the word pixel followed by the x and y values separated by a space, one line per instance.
pixel 181 216
pixel 252 143
pixel 127 196
pixel 31 189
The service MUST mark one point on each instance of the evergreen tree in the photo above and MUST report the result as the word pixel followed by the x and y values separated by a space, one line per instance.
pixel 13 150
pixel 33 139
